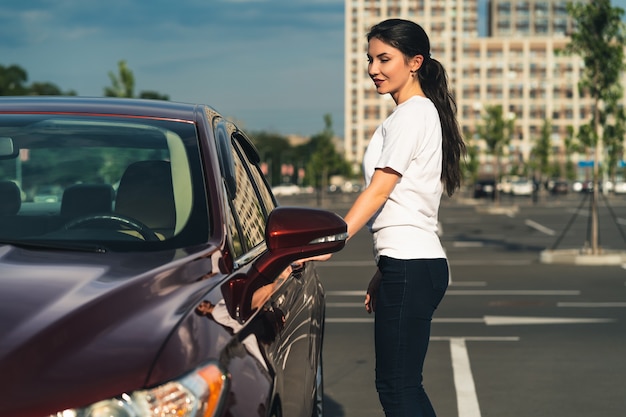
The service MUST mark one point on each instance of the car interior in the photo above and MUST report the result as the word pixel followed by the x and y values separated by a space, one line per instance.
pixel 121 184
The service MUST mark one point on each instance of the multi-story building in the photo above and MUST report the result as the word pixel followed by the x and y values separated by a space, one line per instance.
pixel 518 67
pixel 528 17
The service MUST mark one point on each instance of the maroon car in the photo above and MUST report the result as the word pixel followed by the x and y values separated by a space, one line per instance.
pixel 157 277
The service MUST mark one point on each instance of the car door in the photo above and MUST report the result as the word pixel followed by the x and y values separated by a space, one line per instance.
pixel 294 298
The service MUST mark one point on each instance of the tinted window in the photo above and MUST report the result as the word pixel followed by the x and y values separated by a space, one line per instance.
pixel 234 232
pixel 250 213
pixel 262 187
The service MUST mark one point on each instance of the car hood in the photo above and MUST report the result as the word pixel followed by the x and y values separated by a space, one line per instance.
pixel 76 324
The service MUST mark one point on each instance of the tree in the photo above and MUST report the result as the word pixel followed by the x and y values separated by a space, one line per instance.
pixel 122 84
pixel 496 131
pixel 325 161
pixel 570 146
pixel 472 163
pixel 542 150
pixel 12 79
pixel 599 39
pixel 283 162
pixel 615 146
pixel 48 89
pixel 274 151
pixel 471 160
pixel 613 137
pixel 153 95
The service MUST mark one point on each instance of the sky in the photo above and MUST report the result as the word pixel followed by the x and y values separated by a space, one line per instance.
pixel 272 65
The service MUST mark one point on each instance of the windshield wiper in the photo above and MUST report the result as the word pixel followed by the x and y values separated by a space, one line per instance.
pixel 55 245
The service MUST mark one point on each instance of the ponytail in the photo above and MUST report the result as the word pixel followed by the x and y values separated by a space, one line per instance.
pixel 434 83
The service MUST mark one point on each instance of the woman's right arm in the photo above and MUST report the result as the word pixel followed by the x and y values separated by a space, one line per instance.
pixel 366 205
pixel 371 199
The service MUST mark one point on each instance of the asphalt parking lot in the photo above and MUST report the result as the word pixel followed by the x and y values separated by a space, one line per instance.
pixel 513 336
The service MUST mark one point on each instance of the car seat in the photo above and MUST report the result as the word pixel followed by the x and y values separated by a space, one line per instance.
pixel 145 193
pixel 85 199
pixel 10 198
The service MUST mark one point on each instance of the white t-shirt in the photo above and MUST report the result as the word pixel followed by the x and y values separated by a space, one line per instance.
pixel 409 142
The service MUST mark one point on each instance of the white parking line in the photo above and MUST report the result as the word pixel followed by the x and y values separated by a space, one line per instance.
pixel 476 338
pixel 468 284
pixel 592 305
pixel 492 262
pixel 345 305
pixel 486 320
pixel 515 320
pixel 467 400
pixel 358 293
pixel 455 262
pixel 539 227
pixel 345 263
pixel 470 244
pixel 361 293
pixel 513 292
pixel 349 320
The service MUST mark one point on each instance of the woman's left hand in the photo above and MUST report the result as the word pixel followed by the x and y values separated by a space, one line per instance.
pixel 372 292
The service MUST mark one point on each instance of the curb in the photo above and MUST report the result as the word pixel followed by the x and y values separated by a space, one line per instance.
pixel 578 257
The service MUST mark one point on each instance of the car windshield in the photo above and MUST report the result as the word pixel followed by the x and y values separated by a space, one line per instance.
pixel 104 183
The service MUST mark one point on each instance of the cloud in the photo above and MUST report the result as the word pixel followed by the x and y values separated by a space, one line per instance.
pixel 252 58
pixel 164 19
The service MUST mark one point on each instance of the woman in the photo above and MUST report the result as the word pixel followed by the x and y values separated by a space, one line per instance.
pixel 411 159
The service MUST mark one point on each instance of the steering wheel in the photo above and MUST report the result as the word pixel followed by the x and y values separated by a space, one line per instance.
pixel 114 220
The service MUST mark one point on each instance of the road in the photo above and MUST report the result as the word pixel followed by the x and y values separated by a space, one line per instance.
pixel 512 337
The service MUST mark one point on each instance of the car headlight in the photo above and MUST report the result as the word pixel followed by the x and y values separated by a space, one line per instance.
pixel 198 394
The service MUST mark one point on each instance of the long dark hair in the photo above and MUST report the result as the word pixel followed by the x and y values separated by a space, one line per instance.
pixel 411 39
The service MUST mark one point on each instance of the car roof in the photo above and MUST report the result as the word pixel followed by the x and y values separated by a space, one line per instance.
pixel 99 105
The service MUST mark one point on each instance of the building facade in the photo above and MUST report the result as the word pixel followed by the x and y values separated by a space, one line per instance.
pixel 518 66
pixel 528 18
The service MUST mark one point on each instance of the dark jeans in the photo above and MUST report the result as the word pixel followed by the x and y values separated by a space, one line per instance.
pixel 409 293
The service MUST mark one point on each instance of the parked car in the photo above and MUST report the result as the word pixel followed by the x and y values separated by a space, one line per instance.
pixel 585 186
pixel 556 186
pixel 286 189
pixel 522 187
pixel 485 188
pixel 163 282
pixel 506 183
pixel 619 187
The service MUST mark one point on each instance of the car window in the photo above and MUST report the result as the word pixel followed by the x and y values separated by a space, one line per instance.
pixel 263 187
pixel 119 183
pixel 234 228
pixel 249 211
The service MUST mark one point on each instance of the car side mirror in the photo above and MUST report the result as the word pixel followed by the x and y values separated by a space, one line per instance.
pixel 291 233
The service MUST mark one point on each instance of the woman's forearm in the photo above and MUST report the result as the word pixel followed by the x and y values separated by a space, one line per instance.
pixel 371 199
